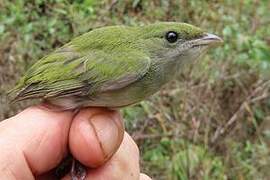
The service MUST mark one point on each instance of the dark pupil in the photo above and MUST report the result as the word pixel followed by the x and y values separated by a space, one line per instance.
pixel 171 36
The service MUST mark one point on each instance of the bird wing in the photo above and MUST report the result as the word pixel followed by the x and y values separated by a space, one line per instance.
pixel 67 72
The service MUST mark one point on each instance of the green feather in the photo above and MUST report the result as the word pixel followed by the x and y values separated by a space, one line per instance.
pixel 104 59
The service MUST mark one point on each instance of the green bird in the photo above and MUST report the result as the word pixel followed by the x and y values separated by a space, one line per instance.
pixel 114 66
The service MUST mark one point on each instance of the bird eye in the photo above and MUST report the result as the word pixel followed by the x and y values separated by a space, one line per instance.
pixel 171 36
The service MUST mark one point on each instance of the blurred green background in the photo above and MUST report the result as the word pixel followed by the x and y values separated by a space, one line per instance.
pixel 212 122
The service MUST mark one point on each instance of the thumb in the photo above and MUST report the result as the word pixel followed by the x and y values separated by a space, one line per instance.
pixel 95 135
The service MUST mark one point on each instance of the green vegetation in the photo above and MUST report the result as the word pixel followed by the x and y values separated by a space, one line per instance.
pixel 212 122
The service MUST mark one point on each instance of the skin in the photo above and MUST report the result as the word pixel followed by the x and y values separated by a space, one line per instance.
pixel 113 66
pixel 29 151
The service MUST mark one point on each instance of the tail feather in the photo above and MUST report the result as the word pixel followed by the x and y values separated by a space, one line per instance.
pixel 36 90
pixel 21 93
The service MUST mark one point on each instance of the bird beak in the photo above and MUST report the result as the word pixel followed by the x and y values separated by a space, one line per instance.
pixel 208 40
pixel 211 40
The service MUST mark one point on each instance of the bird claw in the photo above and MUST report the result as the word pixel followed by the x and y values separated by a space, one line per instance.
pixel 78 171
pixel 71 166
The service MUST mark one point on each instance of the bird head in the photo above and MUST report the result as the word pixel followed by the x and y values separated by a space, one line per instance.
pixel 175 43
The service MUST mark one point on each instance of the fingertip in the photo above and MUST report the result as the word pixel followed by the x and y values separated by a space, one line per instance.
pixel 124 164
pixel 95 135
pixel 144 177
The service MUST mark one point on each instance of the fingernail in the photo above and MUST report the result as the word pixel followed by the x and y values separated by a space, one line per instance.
pixel 107 132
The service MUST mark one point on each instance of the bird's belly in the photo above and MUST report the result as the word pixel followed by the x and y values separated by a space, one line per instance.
pixel 120 98
pixel 131 94
pixel 113 99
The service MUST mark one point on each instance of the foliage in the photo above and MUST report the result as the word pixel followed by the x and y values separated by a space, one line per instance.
pixel 212 122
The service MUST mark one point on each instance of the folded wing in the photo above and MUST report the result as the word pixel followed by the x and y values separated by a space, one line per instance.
pixel 67 72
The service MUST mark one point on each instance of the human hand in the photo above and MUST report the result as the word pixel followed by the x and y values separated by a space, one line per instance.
pixel 36 140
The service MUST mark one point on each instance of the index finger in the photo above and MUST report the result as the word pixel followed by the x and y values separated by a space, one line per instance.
pixel 34 141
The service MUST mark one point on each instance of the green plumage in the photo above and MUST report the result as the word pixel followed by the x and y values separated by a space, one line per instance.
pixel 106 60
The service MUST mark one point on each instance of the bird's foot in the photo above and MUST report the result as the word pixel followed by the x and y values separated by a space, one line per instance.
pixel 71 166
pixel 78 171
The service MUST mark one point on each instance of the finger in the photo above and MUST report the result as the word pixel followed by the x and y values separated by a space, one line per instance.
pixel 144 177
pixel 123 165
pixel 95 135
pixel 35 141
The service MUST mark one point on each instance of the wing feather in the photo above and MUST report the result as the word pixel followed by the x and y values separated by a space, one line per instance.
pixel 67 72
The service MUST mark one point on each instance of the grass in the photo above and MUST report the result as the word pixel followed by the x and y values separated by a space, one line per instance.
pixel 212 122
